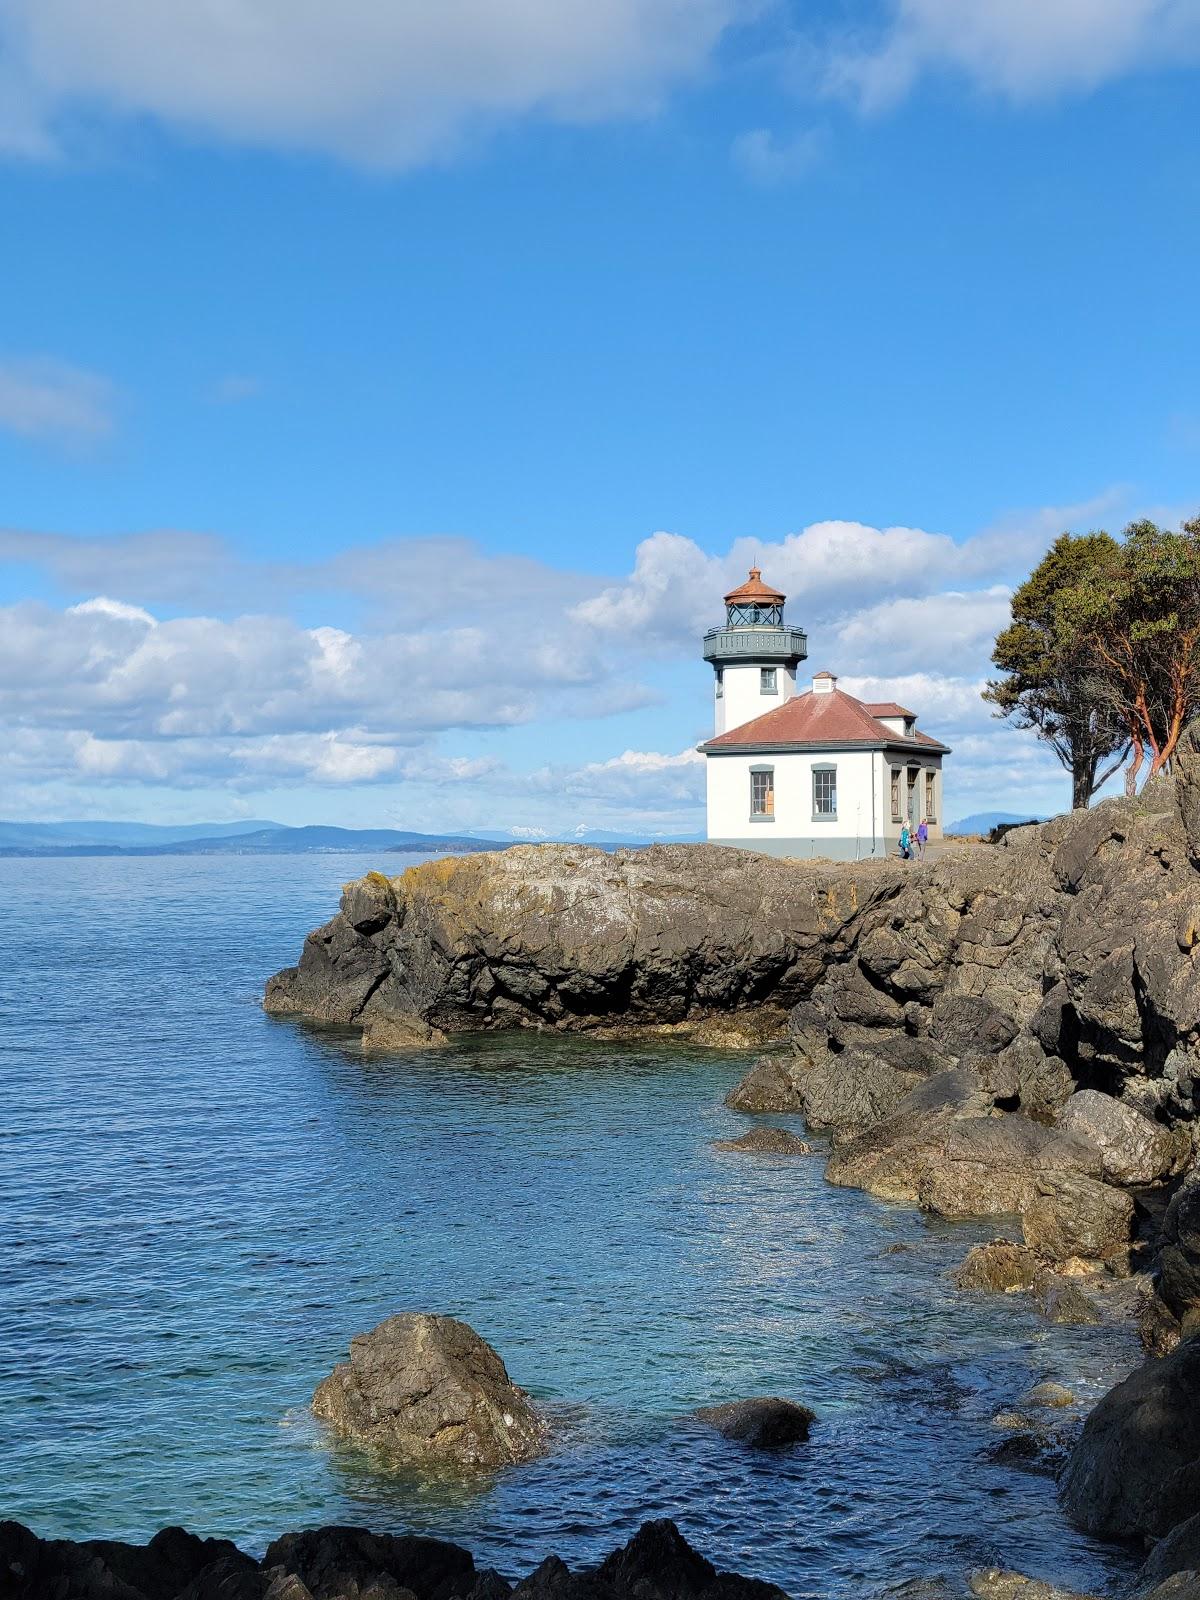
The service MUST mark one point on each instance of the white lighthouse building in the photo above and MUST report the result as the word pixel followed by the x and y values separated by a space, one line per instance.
pixel 806 770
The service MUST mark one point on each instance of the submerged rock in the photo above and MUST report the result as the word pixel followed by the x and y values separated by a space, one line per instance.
pixel 766 1424
pixel 1000 1266
pixel 993 1583
pixel 1049 1394
pixel 1136 1469
pixel 1062 1301
pixel 766 1142
pixel 431 1393
pixel 387 1034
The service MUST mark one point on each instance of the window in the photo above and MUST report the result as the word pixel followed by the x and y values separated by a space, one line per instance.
pixel 824 794
pixel 762 794
pixel 767 680
pixel 720 682
pixel 897 814
pixel 930 796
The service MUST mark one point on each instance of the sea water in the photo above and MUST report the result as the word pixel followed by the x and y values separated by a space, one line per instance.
pixel 201 1204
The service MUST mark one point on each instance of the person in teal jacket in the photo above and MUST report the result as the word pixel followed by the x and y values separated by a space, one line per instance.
pixel 905 843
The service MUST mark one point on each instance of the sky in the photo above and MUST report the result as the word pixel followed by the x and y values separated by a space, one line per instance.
pixel 389 391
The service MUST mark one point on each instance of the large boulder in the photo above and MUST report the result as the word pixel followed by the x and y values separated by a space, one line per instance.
pixel 946 1148
pixel 891 1159
pixel 992 1166
pixel 334 1562
pixel 772 1084
pixel 1072 1216
pixel 1135 1471
pixel 105 1569
pixel 429 1392
pixel 1179 1551
pixel 1179 1259
pixel 766 1424
pixel 852 1091
pixel 999 1266
pixel 1135 1150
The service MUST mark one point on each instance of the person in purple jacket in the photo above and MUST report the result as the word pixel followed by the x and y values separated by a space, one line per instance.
pixel 922 838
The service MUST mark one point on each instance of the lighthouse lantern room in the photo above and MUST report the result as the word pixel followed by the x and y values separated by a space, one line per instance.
pixel 754 656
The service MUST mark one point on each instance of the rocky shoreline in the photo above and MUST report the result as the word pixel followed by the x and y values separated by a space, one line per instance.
pixel 349 1564
pixel 1011 1033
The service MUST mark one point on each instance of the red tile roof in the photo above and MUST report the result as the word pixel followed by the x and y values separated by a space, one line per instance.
pixel 817 721
pixel 754 589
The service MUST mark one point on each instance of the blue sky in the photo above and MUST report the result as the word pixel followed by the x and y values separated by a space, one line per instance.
pixel 387 397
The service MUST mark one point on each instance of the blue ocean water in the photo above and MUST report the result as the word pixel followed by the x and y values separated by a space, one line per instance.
pixel 200 1205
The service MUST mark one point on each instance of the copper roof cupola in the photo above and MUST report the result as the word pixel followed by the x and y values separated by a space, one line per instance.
pixel 754 628
pixel 754 603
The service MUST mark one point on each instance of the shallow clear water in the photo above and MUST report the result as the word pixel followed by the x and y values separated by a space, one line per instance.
pixel 200 1205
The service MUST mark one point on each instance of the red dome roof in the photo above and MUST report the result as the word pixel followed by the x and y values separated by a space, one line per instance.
pixel 753 591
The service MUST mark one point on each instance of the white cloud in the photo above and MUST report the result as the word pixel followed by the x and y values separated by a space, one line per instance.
pixel 900 635
pixel 383 82
pixel 1021 49
pixel 44 399
pixel 771 162
pixel 105 693
pixel 102 606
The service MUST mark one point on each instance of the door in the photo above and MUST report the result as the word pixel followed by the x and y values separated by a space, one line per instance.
pixel 914 796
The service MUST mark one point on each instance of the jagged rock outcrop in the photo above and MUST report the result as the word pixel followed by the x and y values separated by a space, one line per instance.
pixel 570 937
pixel 429 1392
pixel 1065 958
pixel 1136 1469
pixel 1013 1029
pixel 350 1564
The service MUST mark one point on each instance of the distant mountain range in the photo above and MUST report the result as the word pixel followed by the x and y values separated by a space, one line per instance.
pixel 985 821
pixel 234 838
pixel 255 838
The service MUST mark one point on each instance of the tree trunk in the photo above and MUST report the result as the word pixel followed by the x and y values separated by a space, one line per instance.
pixel 1134 767
pixel 1083 781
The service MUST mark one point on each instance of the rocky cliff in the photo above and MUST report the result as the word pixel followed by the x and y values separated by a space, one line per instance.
pixel 1068 953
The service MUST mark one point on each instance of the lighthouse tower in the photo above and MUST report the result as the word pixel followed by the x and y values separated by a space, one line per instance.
pixel 754 656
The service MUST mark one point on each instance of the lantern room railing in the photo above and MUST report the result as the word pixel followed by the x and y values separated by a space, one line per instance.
pixel 755 644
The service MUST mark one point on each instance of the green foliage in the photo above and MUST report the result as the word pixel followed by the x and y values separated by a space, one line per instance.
pixel 1049 681
pixel 1140 620
pixel 1103 652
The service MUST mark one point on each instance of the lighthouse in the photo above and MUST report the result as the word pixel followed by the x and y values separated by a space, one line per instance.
pixel 806 770
pixel 754 656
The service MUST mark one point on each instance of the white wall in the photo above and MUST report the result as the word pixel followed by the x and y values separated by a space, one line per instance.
pixel 729 798
pixel 743 699
pixel 864 818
